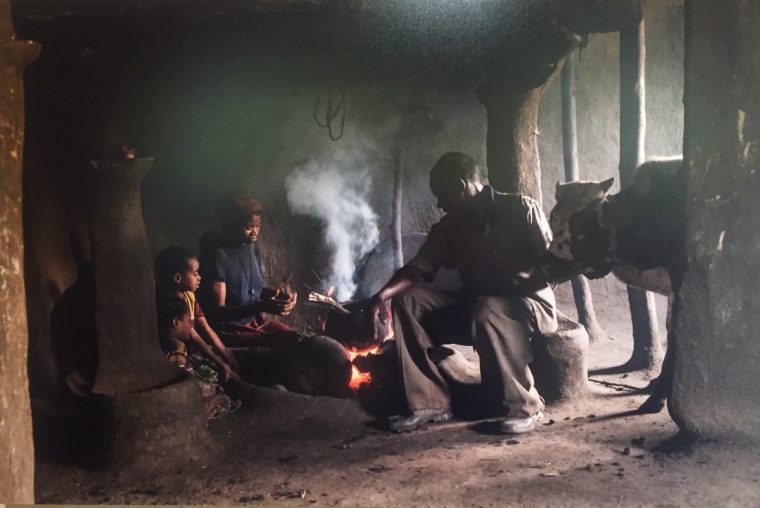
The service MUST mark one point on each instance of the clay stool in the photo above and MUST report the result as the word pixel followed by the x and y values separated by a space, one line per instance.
pixel 560 361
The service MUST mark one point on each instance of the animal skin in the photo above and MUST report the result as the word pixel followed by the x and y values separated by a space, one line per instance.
pixel 636 234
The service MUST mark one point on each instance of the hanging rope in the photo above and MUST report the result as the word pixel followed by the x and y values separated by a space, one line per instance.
pixel 331 112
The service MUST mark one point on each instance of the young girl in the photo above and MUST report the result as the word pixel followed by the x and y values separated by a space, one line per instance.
pixel 177 274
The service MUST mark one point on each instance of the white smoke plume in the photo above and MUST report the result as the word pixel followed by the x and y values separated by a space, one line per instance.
pixel 339 198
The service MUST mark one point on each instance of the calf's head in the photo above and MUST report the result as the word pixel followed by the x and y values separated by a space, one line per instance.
pixel 581 244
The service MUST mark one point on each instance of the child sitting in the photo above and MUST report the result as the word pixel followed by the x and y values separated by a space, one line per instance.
pixel 175 331
pixel 174 327
pixel 177 276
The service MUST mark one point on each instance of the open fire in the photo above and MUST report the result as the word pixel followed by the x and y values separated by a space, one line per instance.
pixel 346 323
pixel 358 378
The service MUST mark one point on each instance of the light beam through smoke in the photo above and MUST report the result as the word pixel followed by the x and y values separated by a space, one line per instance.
pixel 339 198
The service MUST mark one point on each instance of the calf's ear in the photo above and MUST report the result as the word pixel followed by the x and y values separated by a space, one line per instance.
pixel 607 184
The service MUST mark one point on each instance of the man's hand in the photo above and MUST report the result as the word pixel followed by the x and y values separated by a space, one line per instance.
pixel 404 279
pixel 376 311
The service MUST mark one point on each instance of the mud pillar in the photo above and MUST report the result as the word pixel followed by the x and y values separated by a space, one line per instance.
pixel 512 95
pixel 581 290
pixel 718 317
pixel 16 446
pixel 647 350
pixel 145 395
pixel 129 355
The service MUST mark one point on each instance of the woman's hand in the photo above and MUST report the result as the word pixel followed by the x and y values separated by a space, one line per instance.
pixel 280 304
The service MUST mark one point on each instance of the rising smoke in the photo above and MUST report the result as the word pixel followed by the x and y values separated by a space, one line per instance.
pixel 339 198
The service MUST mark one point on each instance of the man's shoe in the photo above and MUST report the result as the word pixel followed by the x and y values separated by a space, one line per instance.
pixel 418 419
pixel 519 425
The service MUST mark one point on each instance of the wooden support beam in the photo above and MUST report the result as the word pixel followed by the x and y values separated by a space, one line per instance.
pixel 398 192
pixel 647 350
pixel 16 446
pixel 581 290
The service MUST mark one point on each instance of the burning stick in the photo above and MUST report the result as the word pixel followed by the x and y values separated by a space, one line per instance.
pixel 316 297
pixel 317 275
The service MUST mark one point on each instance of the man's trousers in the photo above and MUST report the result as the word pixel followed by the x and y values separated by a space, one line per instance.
pixel 499 328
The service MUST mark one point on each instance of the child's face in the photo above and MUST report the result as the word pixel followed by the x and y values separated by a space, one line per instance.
pixel 190 279
pixel 251 229
pixel 182 327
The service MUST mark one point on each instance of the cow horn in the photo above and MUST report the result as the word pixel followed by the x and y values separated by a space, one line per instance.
pixel 607 184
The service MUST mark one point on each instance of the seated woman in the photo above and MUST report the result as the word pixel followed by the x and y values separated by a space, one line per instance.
pixel 238 299
pixel 240 307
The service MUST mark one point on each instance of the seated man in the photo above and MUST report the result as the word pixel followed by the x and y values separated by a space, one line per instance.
pixel 493 239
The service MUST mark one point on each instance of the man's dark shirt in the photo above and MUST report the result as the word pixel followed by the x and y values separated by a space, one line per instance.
pixel 494 245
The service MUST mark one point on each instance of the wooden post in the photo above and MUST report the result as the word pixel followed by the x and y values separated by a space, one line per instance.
pixel 16 446
pixel 647 351
pixel 398 190
pixel 581 290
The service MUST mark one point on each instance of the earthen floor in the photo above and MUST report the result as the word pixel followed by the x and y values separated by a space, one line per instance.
pixel 291 450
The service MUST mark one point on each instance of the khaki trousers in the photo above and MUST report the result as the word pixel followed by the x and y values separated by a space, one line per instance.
pixel 498 327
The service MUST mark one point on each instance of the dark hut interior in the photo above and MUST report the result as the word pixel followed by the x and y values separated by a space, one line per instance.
pixel 138 117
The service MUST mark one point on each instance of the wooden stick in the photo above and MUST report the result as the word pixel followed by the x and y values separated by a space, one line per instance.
pixel 647 350
pixel 581 289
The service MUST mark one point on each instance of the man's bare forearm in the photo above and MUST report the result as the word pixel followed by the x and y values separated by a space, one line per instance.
pixel 403 280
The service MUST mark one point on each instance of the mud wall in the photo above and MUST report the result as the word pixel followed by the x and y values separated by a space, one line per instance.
pixel 223 107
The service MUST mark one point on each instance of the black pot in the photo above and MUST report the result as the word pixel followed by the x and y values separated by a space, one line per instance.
pixel 351 330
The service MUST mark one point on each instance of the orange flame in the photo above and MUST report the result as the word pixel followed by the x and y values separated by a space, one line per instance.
pixel 359 378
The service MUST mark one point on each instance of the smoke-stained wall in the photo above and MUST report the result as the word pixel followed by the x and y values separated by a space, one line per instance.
pixel 223 109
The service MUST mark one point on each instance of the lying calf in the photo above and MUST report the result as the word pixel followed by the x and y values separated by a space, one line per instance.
pixel 636 234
